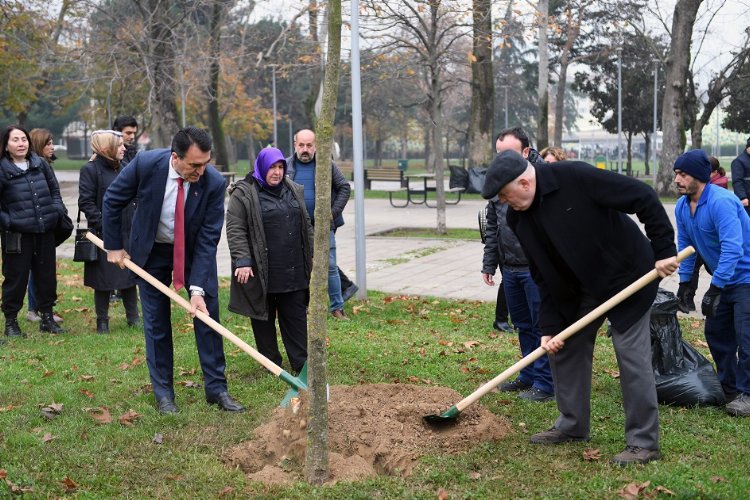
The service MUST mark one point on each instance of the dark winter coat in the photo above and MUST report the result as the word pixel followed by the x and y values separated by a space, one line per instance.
pixel 501 246
pixel 741 175
pixel 248 247
pixel 96 176
pixel 130 152
pixel 577 235
pixel 30 200
pixel 340 191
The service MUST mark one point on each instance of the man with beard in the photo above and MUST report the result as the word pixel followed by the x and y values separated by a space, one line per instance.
pixel 714 221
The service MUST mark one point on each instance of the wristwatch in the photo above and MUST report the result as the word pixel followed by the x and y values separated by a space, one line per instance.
pixel 197 292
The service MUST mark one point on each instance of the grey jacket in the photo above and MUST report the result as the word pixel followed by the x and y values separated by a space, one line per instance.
pixel 340 191
pixel 247 245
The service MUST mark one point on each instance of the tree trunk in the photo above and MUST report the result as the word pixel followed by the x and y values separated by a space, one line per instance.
pixel 542 140
pixel 676 77
pixel 482 87
pixel 162 67
pixel 647 138
pixel 312 95
pixel 316 459
pixel 573 30
pixel 221 157
pixel 629 139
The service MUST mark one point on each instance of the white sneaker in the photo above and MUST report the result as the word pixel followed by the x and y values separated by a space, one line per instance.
pixel 33 316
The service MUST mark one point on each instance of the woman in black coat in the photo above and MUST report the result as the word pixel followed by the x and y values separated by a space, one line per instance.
pixel 103 277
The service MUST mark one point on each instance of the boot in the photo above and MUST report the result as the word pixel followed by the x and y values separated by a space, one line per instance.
pixel 102 325
pixel 12 329
pixel 48 324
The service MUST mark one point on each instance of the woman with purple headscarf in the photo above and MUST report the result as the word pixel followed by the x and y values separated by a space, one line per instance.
pixel 270 242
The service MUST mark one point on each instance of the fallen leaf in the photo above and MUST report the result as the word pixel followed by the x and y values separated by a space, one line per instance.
pixel 612 373
pixel 442 494
pixel 51 411
pixel 158 439
pixel 123 366
pixel 475 475
pixel 15 489
pixel 136 361
pixel 3 474
pixel 4 409
pixel 86 393
pixel 226 491
pixel 128 418
pixel 86 378
pixel 445 343
pixel 189 384
pixel 357 309
pixel 70 485
pixel 76 299
pixel 48 437
pixel 632 490
pixel 388 300
pixel 175 477
pixel 48 373
pixel 465 369
pixel 702 343
pixel 717 479
pixel 662 489
pixel 396 322
pixel 184 372
pixel 592 454
pixel 101 415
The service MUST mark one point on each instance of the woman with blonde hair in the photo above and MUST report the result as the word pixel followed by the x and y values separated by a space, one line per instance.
pixel 103 277
pixel 552 154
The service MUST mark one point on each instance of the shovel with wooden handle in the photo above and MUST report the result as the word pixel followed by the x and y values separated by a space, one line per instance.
pixel 297 384
pixel 450 416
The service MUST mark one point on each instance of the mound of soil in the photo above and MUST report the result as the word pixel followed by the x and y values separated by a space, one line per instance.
pixel 372 429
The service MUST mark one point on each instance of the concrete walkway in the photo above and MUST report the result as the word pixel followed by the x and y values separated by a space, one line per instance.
pixel 409 266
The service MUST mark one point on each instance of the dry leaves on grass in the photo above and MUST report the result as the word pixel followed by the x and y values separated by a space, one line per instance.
pixel 52 410
pixel 86 378
pixel 184 372
pixel 86 393
pixel 442 494
pixel 18 490
pixel 592 454
pixel 101 415
pixel 226 491
pixel 128 418
pixel 612 373
pixel 47 373
pixel 717 479
pixel 4 409
pixel 48 437
pixel 158 438
pixel 3 474
pixel 189 384
pixel 69 484
pixel 632 490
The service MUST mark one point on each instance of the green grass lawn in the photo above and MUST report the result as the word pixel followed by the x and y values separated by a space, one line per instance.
pixel 388 340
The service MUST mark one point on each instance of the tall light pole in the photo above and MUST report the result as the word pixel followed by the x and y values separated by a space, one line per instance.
pixel 358 157
pixel 505 87
pixel 619 110
pixel 718 140
pixel 656 96
pixel 273 87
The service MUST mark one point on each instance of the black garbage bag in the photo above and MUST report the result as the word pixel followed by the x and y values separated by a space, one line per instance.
pixel 476 179
pixel 684 377
pixel 459 177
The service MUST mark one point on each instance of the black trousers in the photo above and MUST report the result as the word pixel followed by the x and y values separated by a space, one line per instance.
pixel 129 301
pixel 291 309
pixel 501 306
pixel 38 256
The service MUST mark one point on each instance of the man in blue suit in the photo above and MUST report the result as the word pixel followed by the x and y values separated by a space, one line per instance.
pixel 157 179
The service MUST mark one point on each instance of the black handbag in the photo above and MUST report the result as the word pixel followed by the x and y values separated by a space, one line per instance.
pixel 85 250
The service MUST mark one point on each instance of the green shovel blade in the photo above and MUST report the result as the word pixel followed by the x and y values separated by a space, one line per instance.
pixel 298 383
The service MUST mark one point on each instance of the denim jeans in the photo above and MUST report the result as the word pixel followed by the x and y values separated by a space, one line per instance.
pixel 32 293
pixel 523 299
pixel 728 337
pixel 334 281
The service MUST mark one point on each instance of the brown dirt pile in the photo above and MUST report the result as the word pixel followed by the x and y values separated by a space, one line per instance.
pixel 372 429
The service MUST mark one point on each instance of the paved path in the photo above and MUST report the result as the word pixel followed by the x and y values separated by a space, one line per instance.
pixel 410 266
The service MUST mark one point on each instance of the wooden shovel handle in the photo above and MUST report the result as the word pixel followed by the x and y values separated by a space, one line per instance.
pixel 569 331
pixel 216 326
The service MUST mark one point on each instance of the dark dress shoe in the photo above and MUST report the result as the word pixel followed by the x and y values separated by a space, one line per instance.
pixel 502 326
pixel 12 329
pixel 47 324
pixel 166 406
pixel 225 402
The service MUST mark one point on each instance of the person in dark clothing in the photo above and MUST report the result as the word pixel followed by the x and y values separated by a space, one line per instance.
pixel 128 126
pixel 301 169
pixel 270 242
pixel 30 208
pixel 103 277
pixel 513 139
pixel 573 223
pixel 502 249
pixel 741 176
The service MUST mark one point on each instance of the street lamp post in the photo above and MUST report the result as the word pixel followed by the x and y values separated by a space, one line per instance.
pixel 653 136
pixel 273 87
pixel 619 110
pixel 505 87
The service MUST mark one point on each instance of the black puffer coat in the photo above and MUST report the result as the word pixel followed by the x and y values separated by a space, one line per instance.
pixel 30 200
pixel 96 176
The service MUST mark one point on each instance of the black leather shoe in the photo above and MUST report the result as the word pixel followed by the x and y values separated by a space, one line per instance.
pixel 48 324
pixel 102 325
pixel 502 326
pixel 225 402
pixel 12 329
pixel 166 405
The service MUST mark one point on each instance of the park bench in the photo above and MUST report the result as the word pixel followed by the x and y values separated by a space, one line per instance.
pixel 228 177
pixel 395 179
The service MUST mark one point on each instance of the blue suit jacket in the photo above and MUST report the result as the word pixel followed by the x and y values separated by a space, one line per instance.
pixel 145 178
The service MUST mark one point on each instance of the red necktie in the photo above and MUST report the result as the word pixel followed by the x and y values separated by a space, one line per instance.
pixel 178 272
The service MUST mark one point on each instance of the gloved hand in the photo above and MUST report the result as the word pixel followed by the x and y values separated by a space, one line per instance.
pixel 683 300
pixel 711 300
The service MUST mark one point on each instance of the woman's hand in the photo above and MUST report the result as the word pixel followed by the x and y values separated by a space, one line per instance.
pixel 243 274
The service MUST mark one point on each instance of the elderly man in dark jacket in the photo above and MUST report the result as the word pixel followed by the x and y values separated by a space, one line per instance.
pixel 741 176
pixel 301 169
pixel 572 221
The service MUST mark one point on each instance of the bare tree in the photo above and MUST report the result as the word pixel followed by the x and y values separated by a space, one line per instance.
pixel 673 108
pixel 542 139
pixel 482 86
pixel 215 123
pixel 316 462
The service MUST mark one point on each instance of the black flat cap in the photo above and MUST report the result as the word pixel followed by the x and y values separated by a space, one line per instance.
pixel 505 167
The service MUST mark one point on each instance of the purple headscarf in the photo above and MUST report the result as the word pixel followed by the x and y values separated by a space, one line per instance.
pixel 266 158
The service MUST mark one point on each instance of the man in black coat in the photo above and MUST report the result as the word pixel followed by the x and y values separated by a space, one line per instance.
pixel 572 221
pixel 741 176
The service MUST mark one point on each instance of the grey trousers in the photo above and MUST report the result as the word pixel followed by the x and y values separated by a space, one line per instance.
pixel 571 371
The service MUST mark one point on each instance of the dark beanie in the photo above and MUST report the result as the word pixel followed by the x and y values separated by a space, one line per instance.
pixel 504 168
pixel 747 145
pixel 694 163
